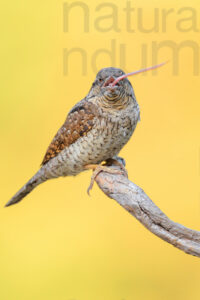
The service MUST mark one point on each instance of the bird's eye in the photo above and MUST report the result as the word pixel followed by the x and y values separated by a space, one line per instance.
pixel 100 79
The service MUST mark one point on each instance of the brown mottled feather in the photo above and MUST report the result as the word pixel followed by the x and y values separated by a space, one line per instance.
pixel 79 122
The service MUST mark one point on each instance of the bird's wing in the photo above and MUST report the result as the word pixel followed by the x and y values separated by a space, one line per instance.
pixel 79 122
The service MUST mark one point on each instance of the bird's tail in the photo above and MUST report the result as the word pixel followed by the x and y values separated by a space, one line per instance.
pixel 27 188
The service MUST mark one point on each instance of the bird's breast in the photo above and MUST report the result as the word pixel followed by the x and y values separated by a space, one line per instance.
pixel 105 140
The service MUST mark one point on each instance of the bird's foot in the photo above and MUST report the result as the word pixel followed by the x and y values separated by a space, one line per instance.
pixel 119 162
pixel 96 170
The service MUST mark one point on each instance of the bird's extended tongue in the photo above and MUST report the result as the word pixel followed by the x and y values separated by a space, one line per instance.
pixel 114 82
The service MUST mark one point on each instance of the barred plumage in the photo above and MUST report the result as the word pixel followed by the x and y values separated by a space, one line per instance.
pixel 95 130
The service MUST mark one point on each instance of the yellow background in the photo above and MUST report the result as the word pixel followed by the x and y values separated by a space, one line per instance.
pixel 59 243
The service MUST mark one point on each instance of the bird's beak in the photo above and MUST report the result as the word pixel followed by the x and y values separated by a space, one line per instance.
pixel 109 81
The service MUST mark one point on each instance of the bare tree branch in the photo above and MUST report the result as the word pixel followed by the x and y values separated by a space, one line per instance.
pixel 138 204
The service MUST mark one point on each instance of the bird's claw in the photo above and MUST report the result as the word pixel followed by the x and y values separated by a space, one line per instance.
pixel 106 169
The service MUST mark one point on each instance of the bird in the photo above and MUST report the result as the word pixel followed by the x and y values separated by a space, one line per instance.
pixel 95 131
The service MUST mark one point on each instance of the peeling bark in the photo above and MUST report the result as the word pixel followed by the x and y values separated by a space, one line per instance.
pixel 138 204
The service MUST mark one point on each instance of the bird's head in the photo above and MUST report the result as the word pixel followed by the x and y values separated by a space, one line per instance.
pixel 112 86
pixel 104 88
